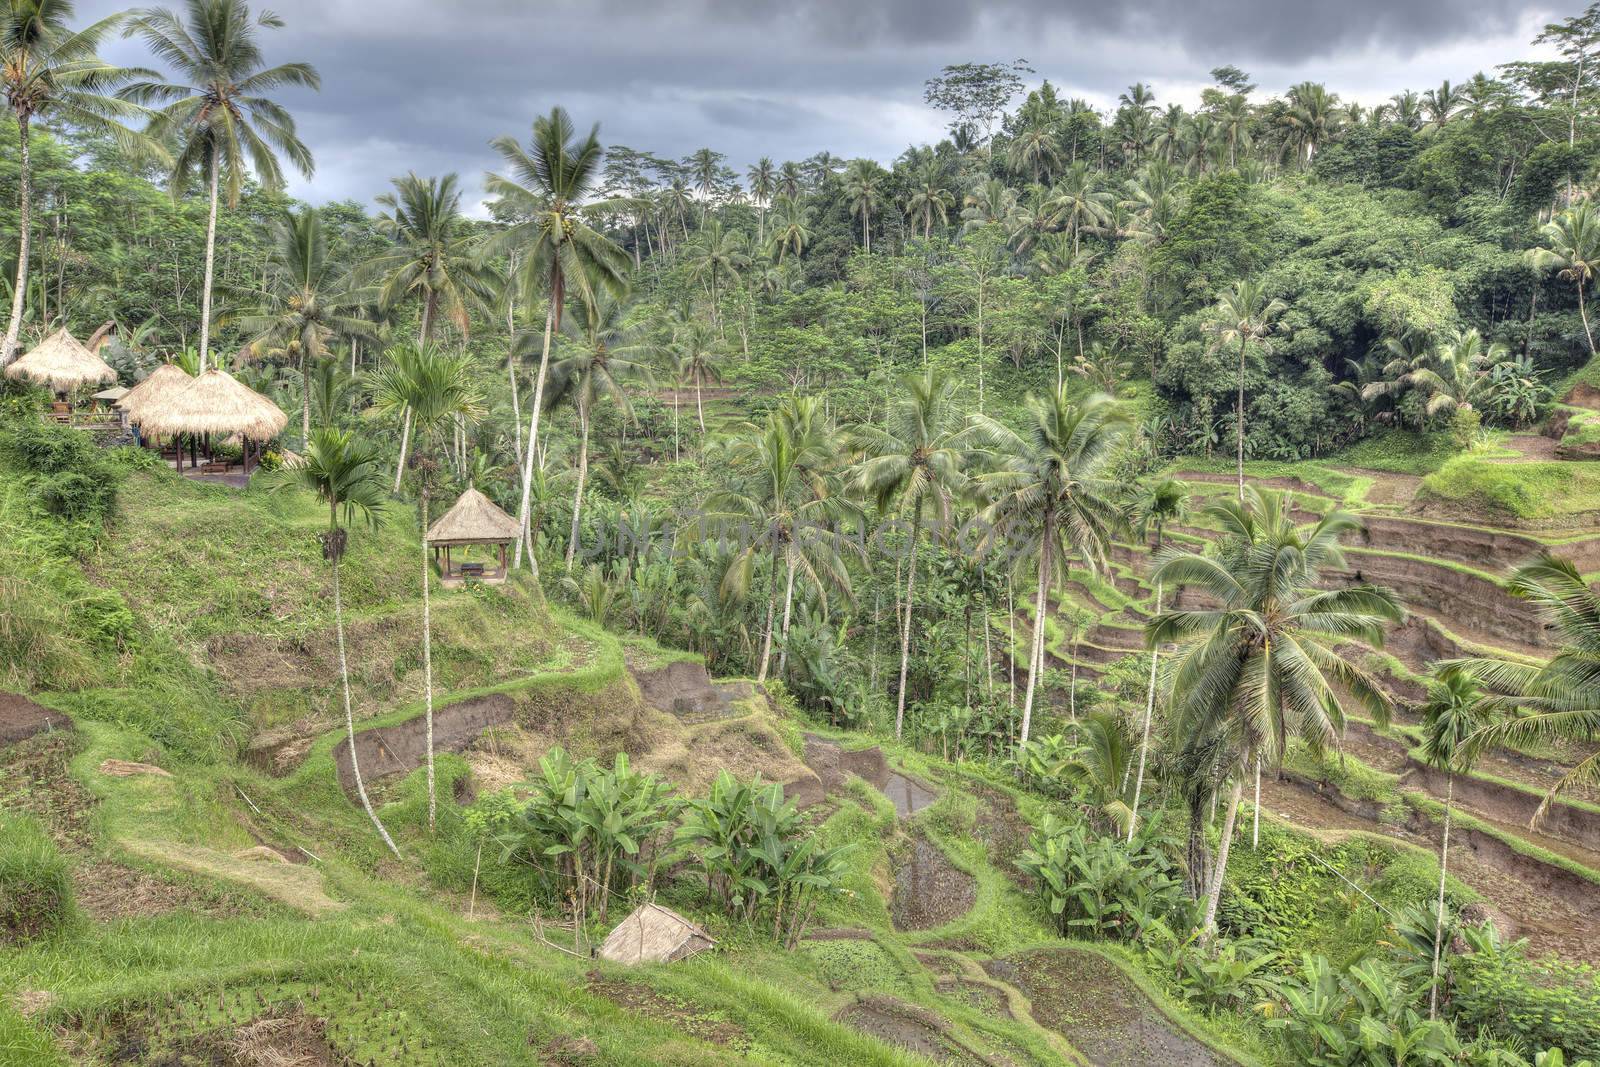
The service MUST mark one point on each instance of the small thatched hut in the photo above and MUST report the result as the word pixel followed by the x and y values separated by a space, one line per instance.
pixel 213 403
pixel 474 520
pixel 653 934
pixel 62 363
pixel 161 383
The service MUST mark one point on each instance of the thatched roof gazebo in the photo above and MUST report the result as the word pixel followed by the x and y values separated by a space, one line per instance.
pixel 152 391
pixel 213 403
pixel 474 520
pixel 62 363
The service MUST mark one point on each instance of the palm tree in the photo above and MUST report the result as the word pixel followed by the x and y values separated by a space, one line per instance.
pixel 48 70
pixel 1079 200
pixel 551 180
pixel 219 115
pixel 929 197
pixel 1233 121
pixel 763 177
pixel 716 254
pixel 1560 700
pixel 1453 712
pixel 786 490
pixel 791 180
pixel 1407 109
pixel 427 388
pixel 1036 151
pixel 1160 502
pixel 434 256
pixel 1572 248
pixel 602 352
pixel 345 472
pixel 1311 118
pixel 1050 494
pixel 1271 660
pixel 791 231
pixel 697 361
pixel 305 301
pixel 1459 377
pixel 1441 104
pixel 913 463
pixel 864 183
pixel 1244 314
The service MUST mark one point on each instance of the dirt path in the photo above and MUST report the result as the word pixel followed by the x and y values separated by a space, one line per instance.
pixel 1089 1000
pixel 1388 489
pixel 1529 447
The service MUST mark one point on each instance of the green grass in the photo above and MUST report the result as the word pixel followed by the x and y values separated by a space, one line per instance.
pixel 35 886
pixel 1398 452
pixel 1519 492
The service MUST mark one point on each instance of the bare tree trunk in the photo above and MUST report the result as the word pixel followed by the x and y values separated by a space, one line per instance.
pixel 1209 928
pixel 211 259
pixel 1255 813
pixel 405 441
pixel 772 605
pixel 1583 313
pixel 349 715
pixel 1239 421
pixel 1438 922
pixel 427 660
pixel 24 227
pixel 905 629
pixel 1149 714
pixel 583 476
pixel 788 604
pixel 533 438
pixel 1038 642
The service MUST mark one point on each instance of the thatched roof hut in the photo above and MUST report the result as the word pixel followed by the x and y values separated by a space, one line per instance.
pixel 161 383
pixel 62 363
pixel 653 934
pixel 213 403
pixel 474 520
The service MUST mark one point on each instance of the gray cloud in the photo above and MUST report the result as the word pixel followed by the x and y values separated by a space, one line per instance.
pixel 405 88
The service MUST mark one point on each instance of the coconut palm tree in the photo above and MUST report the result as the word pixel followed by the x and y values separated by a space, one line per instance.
pixel 913 465
pixel 1459 376
pixel 1572 248
pixel 785 490
pixel 1271 661
pixel 345 473
pixel 1233 123
pixel 1162 501
pixel 791 229
pixel 218 113
pixel 305 300
pixel 864 186
pixel 1035 151
pixel 50 71
pixel 929 197
pixel 427 388
pixel 1311 119
pixel 697 361
pixel 435 257
pixel 763 178
pixel 547 194
pixel 1079 199
pixel 1452 713
pixel 1245 315
pixel 1050 495
pixel 1560 700
pixel 1441 104
pixel 600 352
pixel 717 254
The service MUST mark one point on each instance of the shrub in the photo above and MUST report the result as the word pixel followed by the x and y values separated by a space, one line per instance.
pixel 1497 991
pixel 35 887
pixel 1366 1014
pixel 1100 886
pixel 77 496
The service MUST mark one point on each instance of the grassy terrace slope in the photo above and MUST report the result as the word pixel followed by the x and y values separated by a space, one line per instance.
pixel 230 897
pixel 1442 532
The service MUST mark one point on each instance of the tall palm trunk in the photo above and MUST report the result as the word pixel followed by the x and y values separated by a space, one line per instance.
pixel 430 306
pixel 1038 638
pixel 211 260
pixel 349 714
pixel 788 605
pixel 523 514
pixel 583 476
pixel 405 443
pixel 1149 714
pixel 905 627
pixel 305 402
pixel 1214 895
pixel 700 409
pixel 1583 313
pixel 427 659
pixel 1255 809
pixel 24 225
pixel 1239 420
pixel 772 607
pixel 1438 921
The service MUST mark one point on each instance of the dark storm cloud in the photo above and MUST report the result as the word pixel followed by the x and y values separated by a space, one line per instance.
pixel 411 84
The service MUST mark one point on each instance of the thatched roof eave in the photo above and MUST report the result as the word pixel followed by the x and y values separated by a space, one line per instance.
pixel 62 363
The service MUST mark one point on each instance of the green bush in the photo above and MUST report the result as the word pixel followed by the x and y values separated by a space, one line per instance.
pixel 35 887
pixel 1099 886
pixel 77 496
pixel 1500 993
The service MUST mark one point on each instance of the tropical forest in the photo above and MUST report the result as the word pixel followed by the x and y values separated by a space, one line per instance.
pixel 1114 583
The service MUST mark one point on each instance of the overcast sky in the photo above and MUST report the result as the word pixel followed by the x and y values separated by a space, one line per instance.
pixel 419 85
